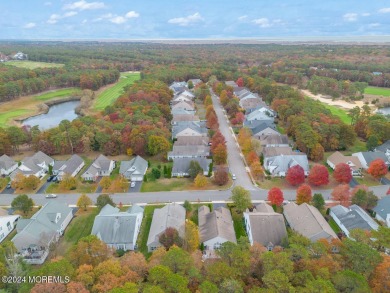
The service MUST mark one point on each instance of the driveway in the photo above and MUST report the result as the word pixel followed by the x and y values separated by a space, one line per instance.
pixel 99 188
pixel 136 188
pixel 235 159
pixel 8 191
pixel 44 187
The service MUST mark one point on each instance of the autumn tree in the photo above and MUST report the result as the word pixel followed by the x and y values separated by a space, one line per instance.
pixel 295 175
pixel 84 201
pixel 18 181
pixel 240 82
pixel 22 203
pixel 200 180
pixel 363 197
pixel 252 157
pixel 380 281
pixel 275 196
pixel 220 154
pixel 158 145
pixel 318 201
pixel 191 237
pixel 89 250
pixel 377 168
pixel 342 194
pixel 216 140
pixel 318 175
pixel 170 237
pixel 68 182
pixel 221 176
pixel 194 169
pixel 342 173
pixel 104 199
pixel 257 170
pixel 31 182
pixel 304 194
pixel 241 198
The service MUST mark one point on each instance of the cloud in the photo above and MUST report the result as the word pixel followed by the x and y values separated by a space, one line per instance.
pixel 132 14
pixel 366 14
pixel 118 19
pixel 29 25
pixel 262 22
pixel 84 5
pixel 185 21
pixel 384 10
pixel 350 17
pixel 69 14
pixel 243 17
pixel 54 18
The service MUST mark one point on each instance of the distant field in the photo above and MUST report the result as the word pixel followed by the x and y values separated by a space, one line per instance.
pixel 33 64
pixel 57 94
pixel 377 91
pixel 342 114
pixel 5 117
pixel 108 96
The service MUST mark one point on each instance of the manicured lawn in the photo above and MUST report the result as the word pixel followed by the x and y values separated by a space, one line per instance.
pixel 378 91
pixel 200 109
pixel 238 222
pixel 342 114
pixel 145 228
pixel 368 180
pixel 33 64
pixel 193 215
pixel 165 185
pixel 108 96
pixel 81 225
pixel 5 117
pixel 82 187
pixel 334 226
pixel 58 93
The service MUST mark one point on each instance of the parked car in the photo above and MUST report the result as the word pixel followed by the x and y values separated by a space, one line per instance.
pixel 50 178
pixel 8 185
pixel 52 195
pixel 55 179
pixel 132 184
pixel 234 176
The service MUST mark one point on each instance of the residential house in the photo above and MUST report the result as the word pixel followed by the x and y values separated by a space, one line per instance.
pixel 264 226
pixel 279 165
pixel 119 230
pixel 352 161
pixel 351 218
pixel 171 216
pixel 189 129
pixel 366 158
pixel 182 112
pixel 181 98
pixel 262 113
pixel 178 87
pixel 102 166
pixel 20 56
pixel 382 210
pixel 188 106
pixel 247 95
pixel 184 118
pixel 308 221
pixel 72 167
pixel 195 81
pixel 239 91
pixel 215 228
pixel 263 130
pixel 231 83
pixel 384 148
pixel 135 169
pixel 181 166
pixel 269 152
pixel 37 233
pixel 7 165
pixel 274 140
pixel 186 93
pixel 251 104
pixel 36 165
pixel 7 224
pixel 189 151
pixel 192 140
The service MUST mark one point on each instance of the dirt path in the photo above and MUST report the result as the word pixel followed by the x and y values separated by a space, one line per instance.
pixel 339 103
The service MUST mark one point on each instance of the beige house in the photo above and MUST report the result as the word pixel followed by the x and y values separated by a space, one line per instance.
pixel 352 161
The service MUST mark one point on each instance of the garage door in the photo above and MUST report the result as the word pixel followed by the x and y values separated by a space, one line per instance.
pixel 137 178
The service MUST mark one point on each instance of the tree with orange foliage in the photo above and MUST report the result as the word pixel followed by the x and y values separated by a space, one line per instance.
pixel 252 157
pixel 380 281
pixel 220 154
pixel 377 168
pixel 342 173
pixel 257 170
pixel 75 287
pixel 49 288
pixel 317 153
pixel 342 194
pixel 216 140
pixel 212 121
pixel 240 82
pixel 304 194
pixel 275 196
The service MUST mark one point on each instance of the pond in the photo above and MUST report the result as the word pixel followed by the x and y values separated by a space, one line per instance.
pixel 384 111
pixel 56 114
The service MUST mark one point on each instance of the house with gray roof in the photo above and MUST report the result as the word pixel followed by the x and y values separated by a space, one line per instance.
pixel 384 148
pixel 182 112
pixel 192 140
pixel 72 167
pixel 119 230
pixel 251 104
pixel 7 224
pixel 279 165
pixel 274 140
pixel 352 161
pixel 102 166
pixel 262 113
pixel 184 118
pixel 351 218
pixel 181 166
pixel 181 98
pixel 195 81
pixel 135 169
pixel 7 165
pixel 171 216
pixel 189 151
pixel 216 227
pixel 35 235
pixel 264 226
pixel 189 129
pixel 36 165
pixel 277 151
pixel 231 83
pixel 366 158
pixel 182 105
pixel 308 221
pixel 382 210
pixel 178 86
pixel 264 129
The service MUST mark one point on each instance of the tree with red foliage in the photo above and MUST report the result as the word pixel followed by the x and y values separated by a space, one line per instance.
pixel 170 237
pixel 342 173
pixel 304 194
pixel 252 157
pixel 342 194
pixel 275 196
pixel 238 119
pixel 221 176
pixel 216 140
pixel 319 175
pixel 240 82
pixel 295 175
pixel 377 168
pixel 212 121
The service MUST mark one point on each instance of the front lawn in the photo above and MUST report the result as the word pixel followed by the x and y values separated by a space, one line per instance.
pixel 334 225
pixel 238 222
pixel 82 187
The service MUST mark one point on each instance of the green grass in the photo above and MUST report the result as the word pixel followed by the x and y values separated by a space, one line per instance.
pixel 334 226
pixel 33 64
pixel 158 185
pixel 108 96
pixel 238 222
pixel 145 228
pixel 5 117
pixel 80 226
pixel 342 114
pixel 115 172
pixel 193 216
pixel 377 91
pixel 58 93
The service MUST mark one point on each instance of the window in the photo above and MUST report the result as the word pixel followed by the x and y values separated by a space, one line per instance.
pixel 9 226
pixel 1 236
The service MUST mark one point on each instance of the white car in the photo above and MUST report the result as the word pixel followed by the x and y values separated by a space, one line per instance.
pixel 132 184
pixel 234 176
pixel 52 195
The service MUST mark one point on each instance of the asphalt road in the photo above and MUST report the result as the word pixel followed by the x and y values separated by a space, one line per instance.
pixel 235 159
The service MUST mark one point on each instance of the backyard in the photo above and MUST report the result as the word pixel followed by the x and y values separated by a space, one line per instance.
pixel 377 91
pixel 32 64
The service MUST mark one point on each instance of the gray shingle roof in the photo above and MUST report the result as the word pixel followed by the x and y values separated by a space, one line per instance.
pixel 371 156
pixel 115 227
pixel 354 217
pixel 308 221
pixel 383 207
pixel 274 139
pixel 383 147
pixel 6 162
pixel 192 140
pixel 352 161
pixel 189 150
pixel 32 162
pixel 262 126
pixel 218 223
pixel 100 163
pixel 182 165
pixel 196 126
pixel 282 163
pixel 136 166
pixel 69 166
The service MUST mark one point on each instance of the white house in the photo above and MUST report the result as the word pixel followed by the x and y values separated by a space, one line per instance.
pixel 7 224
pixel 135 169
pixel 366 158
pixel 352 161
pixel 72 167
pixel 119 230
pixel 37 165
pixel 7 165
pixel 102 166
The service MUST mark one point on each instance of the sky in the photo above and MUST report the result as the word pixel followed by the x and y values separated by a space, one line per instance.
pixel 204 19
